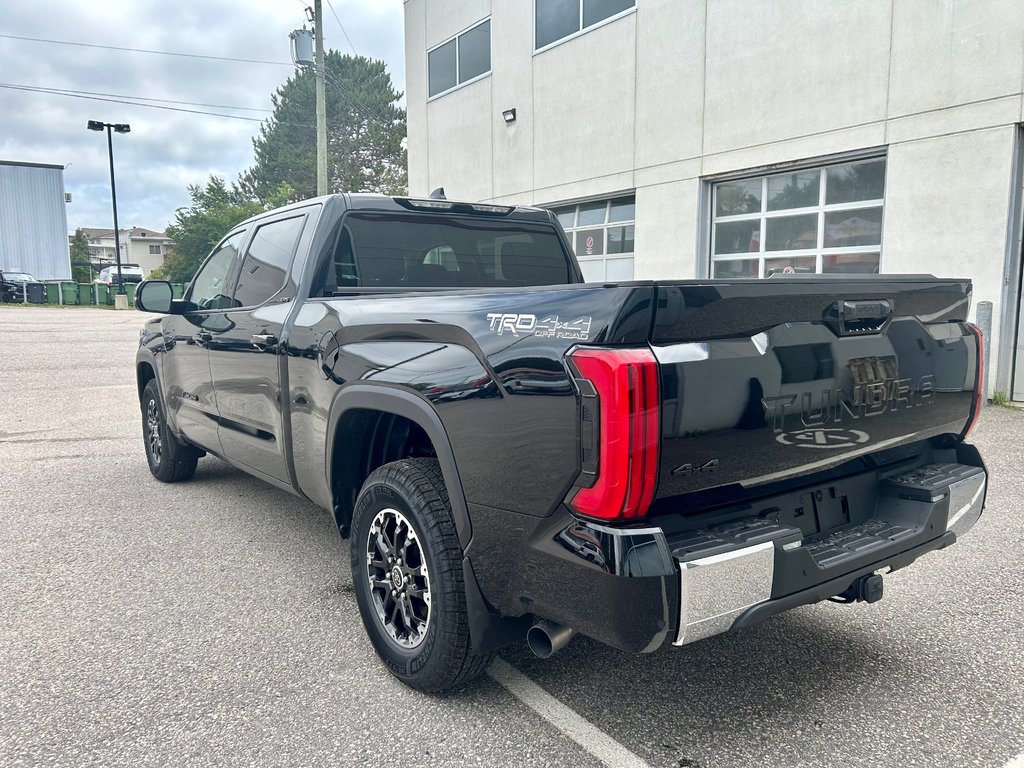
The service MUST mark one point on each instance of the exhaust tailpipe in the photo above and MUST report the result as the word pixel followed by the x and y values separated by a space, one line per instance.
pixel 546 638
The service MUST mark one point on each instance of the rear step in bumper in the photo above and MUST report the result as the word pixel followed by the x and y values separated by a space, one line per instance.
pixel 727 572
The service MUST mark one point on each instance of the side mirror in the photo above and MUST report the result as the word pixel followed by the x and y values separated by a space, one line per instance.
pixel 154 296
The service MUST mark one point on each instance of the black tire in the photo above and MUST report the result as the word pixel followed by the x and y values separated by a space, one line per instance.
pixel 431 652
pixel 169 460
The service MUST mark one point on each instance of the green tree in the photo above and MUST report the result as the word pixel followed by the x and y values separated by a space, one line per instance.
pixel 81 272
pixel 365 133
pixel 214 210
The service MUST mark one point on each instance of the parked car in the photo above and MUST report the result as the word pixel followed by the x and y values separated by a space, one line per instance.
pixel 130 273
pixel 516 454
pixel 13 285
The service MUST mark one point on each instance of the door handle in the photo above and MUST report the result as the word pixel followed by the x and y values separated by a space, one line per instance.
pixel 202 338
pixel 263 341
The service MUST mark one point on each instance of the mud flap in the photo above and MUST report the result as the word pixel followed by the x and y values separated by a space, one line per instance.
pixel 487 630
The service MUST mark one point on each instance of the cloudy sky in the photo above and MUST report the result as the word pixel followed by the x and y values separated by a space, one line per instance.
pixel 166 150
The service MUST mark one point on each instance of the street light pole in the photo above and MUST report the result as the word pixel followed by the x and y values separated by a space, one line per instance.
pixel 95 125
pixel 113 200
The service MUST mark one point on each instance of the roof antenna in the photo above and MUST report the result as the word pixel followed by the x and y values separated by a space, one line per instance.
pixel 438 194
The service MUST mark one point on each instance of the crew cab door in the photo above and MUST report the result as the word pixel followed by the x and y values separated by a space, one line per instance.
pixel 188 384
pixel 245 355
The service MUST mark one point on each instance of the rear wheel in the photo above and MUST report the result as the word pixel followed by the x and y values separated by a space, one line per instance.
pixel 407 574
pixel 169 460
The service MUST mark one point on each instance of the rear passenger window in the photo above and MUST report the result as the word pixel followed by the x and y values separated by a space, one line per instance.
pixel 378 250
pixel 265 267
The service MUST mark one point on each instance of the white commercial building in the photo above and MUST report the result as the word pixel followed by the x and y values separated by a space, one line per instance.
pixel 716 138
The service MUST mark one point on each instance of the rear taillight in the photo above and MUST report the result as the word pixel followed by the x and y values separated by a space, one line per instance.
pixel 979 380
pixel 626 386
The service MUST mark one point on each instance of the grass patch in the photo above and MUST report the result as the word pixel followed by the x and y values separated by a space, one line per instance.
pixel 1000 398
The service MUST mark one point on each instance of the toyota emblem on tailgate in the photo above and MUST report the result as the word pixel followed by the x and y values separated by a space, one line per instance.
pixel 824 438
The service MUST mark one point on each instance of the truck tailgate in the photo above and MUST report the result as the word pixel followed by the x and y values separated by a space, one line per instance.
pixel 770 380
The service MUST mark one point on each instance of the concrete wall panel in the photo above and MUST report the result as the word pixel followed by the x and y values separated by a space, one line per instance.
pixel 512 88
pixel 461 161
pixel 583 94
pixel 670 81
pixel 445 19
pixel 418 145
pixel 951 52
pixel 790 68
pixel 946 210
pixel 796 149
pixel 667 217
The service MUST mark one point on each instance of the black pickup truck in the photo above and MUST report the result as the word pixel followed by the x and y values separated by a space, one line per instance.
pixel 514 453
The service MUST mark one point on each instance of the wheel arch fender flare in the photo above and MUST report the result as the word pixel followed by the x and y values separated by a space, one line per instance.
pixel 411 406
pixel 147 357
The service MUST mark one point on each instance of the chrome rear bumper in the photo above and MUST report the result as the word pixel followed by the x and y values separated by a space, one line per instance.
pixel 727 570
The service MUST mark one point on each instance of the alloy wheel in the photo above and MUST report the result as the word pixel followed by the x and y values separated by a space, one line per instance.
pixel 399 582
pixel 153 438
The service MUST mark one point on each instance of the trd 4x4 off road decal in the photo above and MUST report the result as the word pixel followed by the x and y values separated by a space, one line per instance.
pixel 550 326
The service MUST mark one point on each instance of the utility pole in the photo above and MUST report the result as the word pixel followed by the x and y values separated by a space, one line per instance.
pixel 321 110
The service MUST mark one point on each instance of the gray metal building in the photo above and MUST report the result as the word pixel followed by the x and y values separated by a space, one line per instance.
pixel 33 220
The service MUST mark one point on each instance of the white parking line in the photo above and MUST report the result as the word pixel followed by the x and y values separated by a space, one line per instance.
pixel 1016 762
pixel 583 732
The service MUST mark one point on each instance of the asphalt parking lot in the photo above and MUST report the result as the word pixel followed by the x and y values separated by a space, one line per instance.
pixel 213 622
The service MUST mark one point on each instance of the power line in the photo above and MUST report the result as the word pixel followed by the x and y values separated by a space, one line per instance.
pixel 147 50
pixel 337 19
pixel 368 113
pixel 59 91
pixel 55 92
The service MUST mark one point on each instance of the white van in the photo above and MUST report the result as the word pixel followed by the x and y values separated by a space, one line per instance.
pixel 130 273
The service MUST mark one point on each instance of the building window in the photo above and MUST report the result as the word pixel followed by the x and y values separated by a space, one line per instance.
pixel 602 233
pixel 154 250
pixel 463 58
pixel 555 20
pixel 813 220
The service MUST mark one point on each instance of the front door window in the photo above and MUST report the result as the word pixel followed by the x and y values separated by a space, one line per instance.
pixel 210 289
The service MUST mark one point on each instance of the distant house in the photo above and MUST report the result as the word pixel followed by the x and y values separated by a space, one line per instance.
pixel 145 247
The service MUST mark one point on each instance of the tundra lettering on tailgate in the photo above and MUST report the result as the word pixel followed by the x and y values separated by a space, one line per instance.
pixel 833 405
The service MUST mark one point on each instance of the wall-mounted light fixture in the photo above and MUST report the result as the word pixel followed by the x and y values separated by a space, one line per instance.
pixel 509 116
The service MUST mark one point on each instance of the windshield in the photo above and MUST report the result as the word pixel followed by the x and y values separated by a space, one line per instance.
pixel 389 250
pixel 19 277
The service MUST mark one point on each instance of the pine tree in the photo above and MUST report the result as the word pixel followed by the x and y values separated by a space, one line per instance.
pixel 365 133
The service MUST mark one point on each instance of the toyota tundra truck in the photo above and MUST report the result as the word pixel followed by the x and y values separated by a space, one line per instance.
pixel 515 454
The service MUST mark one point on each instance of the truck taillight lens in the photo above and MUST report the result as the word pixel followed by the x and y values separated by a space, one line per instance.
pixel 626 383
pixel 979 387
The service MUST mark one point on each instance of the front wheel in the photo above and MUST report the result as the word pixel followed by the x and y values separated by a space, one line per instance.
pixel 407 574
pixel 169 460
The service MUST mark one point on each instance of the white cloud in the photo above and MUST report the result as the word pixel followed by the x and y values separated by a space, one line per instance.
pixel 165 150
